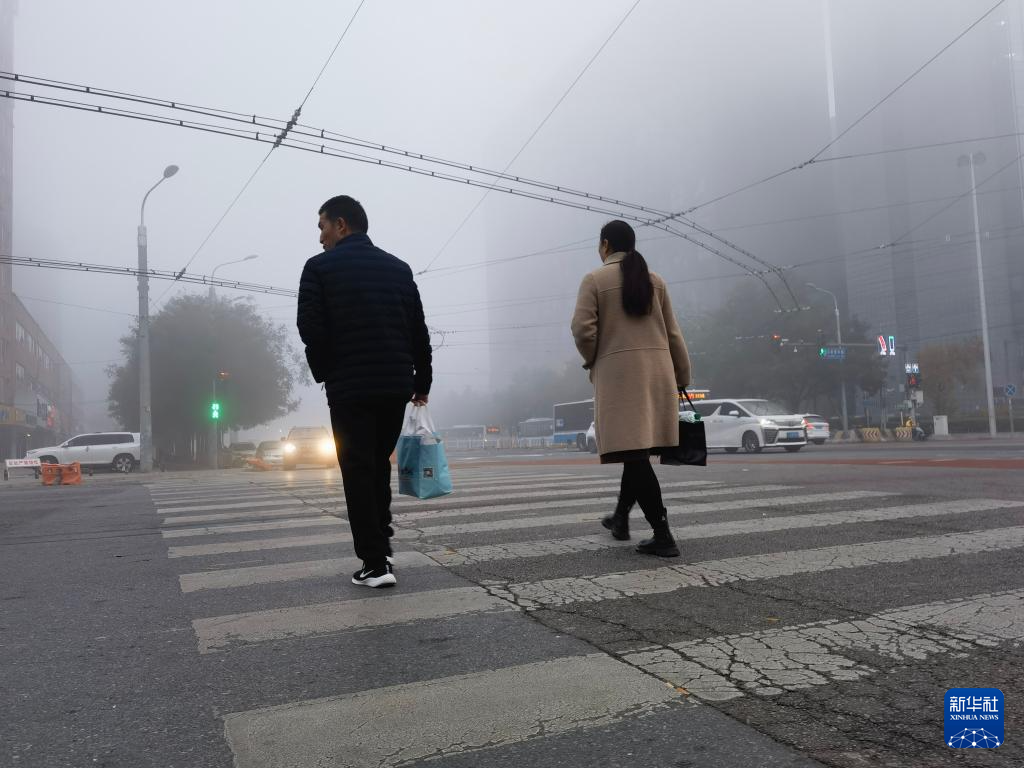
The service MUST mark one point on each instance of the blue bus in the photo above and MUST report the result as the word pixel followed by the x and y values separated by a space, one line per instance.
pixel 572 420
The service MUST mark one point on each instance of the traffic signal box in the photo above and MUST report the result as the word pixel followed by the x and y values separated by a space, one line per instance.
pixel 215 411
pixel 913 381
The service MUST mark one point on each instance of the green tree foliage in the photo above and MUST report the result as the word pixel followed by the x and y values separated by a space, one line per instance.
pixel 949 370
pixel 193 339
pixel 734 354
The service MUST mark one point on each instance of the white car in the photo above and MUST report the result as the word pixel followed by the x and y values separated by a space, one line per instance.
pixel 592 438
pixel 118 450
pixel 271 452
pixel 817 428
pixel 752 425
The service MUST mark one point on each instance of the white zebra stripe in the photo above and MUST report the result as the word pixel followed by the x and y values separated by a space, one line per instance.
pixel 791 658
pixel 220 632
pixel 455 529
pixel 774 565
pixel 398 725
pixel 281 572
pixel 456 556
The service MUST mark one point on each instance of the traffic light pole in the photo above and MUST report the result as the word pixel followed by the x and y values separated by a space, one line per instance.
pixel 214 437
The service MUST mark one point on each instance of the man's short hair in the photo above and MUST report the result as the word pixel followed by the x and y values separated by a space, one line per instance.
pixel 349 209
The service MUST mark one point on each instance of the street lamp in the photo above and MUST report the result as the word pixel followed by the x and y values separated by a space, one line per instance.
pixel 839 340
pixel 973 159
pixel 145 406
pixel 213 274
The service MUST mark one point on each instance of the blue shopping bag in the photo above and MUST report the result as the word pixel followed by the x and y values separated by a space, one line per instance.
pixel 422 466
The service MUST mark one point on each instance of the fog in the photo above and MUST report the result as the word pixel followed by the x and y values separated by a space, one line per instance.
pixel 687 102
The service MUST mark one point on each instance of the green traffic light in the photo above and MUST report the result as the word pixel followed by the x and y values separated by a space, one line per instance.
pixel 214 411
pixel 822 351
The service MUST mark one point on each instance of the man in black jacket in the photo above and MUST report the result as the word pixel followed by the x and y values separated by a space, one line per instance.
pixel 361 319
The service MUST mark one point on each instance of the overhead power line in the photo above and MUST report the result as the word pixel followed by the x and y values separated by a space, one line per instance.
pixel 155 274
pixel 816 157
pixel 533 135
pixel 322 149
pixel 282 134
pixel 321 138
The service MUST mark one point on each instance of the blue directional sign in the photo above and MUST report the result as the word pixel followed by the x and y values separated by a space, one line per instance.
pixel 832 352
pixel 1010 390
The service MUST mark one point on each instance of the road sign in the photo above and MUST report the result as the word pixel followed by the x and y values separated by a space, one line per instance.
pixel 912 368
pixel 1010 390
pixel 832 352
pixel 883 347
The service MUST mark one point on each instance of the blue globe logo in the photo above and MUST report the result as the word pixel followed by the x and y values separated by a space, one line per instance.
pixel 973 738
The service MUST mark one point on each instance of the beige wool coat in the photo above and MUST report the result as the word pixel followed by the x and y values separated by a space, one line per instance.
pixel 637 364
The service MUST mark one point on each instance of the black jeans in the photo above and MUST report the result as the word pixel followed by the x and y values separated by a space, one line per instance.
pixel 366 432
pixel 640 485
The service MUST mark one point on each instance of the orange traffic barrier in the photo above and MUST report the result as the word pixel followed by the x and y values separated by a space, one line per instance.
pixel 50 473
pixel 71 474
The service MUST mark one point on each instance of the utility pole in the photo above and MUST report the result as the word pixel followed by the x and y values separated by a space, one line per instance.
pixel 977 158
pixel 145 405
pixel 839 340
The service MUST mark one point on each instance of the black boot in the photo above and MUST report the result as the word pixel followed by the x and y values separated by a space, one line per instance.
pixel 618 524
pixel 661 544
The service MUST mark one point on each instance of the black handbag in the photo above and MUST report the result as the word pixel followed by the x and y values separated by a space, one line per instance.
pixel 693 444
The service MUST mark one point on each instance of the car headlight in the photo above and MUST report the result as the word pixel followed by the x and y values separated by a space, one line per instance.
pixel 767 423
pixel 289 448
pixel 327 446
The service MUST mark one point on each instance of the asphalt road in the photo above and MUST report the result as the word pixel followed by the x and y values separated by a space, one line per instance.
pixel 823 603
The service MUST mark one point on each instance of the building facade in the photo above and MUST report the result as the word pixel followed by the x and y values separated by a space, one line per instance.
pixel 36 386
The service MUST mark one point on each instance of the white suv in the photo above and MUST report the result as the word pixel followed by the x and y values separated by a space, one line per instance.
pixel 751 425
pixel 117 450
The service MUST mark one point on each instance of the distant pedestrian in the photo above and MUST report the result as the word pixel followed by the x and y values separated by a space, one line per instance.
pixel 630 342
pixel 361 319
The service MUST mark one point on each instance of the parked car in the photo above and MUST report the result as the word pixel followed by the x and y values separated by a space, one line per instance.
pixel 309 445
pixel 752 425
pixel 592 438
pixel 118 450
pixel 817 428
pixel 271 452
pixel 240 452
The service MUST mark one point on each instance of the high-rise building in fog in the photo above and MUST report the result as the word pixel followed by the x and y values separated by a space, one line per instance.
pixel 910 265
pixel 891 234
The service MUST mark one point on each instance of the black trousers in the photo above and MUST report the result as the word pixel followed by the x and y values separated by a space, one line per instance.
pixel 366 432
pixel 640 485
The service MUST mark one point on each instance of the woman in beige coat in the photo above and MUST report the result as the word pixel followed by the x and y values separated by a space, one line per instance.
pixel 631 343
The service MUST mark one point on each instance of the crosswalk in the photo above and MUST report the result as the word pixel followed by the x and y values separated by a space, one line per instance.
pixel 782 589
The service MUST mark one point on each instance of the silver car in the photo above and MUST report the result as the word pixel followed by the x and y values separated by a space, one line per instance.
pixel 817 428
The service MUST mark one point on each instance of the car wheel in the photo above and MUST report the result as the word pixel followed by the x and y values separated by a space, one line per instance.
pixel 731 450
pixel 819 442
pixel 123 462
pixel 750 443
pixel 581 442
pixel 793 448
pixel 48 460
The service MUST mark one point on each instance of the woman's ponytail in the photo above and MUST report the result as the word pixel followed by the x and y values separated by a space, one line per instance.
pixel 637 289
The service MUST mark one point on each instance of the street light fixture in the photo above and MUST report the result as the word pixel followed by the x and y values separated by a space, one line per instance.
pixel 973 159
pixel 145 405
pixel 839 340
pixel 213 274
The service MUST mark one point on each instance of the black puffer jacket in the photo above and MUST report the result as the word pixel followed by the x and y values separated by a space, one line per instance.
pixel 361 319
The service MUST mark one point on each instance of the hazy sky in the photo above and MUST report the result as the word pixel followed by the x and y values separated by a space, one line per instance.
pixel 688 100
